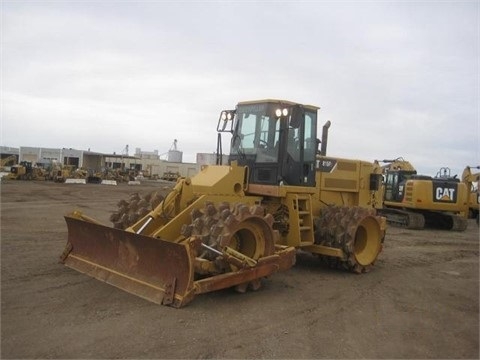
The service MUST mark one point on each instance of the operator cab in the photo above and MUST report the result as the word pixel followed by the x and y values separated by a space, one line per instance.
pixel 275 139
pixel 395 184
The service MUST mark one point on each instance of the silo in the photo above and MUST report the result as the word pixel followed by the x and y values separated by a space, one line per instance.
pixel 175 156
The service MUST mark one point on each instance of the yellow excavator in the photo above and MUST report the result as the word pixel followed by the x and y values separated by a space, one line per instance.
pixel 471 180
pixel 232 225
pixel 417 201
pixel 21 171
pixel 8 161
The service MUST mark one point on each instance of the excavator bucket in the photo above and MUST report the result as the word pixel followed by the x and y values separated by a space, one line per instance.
pixel 154 269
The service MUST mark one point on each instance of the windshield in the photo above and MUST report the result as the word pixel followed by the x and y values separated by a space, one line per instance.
pixel 277 141
pixel 258 132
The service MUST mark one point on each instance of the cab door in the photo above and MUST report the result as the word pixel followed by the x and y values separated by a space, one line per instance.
pixel 300 149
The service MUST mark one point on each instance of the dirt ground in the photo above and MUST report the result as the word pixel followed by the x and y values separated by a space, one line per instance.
pixel 420 301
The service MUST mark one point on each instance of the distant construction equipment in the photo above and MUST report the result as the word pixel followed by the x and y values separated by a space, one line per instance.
pixel 416 201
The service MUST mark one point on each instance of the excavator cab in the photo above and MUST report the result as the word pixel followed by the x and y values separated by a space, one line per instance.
pixel 276 140
pixel 395 184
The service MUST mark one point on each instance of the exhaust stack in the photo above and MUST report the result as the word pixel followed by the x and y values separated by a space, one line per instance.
pixel 323 149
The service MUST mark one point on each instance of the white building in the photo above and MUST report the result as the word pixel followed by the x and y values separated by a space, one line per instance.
pixel 149 162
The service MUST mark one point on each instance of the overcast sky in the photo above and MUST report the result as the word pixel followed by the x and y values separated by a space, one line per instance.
pixel 394 78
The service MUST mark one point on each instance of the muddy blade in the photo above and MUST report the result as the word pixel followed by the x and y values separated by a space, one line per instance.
pixel 157 270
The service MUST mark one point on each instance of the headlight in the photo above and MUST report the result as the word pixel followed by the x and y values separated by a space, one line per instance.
pixel 281 112
pixel 227 115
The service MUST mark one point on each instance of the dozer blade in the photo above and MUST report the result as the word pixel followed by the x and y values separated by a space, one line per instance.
pixel 157 270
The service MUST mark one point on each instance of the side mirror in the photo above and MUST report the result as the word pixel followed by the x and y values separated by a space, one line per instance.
pixel 297 117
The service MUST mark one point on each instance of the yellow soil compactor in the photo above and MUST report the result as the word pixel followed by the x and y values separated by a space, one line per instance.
pixel 232 225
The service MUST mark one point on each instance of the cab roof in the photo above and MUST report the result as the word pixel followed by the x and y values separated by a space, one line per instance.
pixel 283 102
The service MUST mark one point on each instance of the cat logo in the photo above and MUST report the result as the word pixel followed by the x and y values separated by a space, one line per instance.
pixel 443 193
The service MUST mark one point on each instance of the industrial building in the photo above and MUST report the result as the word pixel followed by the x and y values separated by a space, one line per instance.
pixel 144 162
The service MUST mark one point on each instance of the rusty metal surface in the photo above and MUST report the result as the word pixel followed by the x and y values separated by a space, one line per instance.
pixel 282 260
pixel 158 270
pixel 154 269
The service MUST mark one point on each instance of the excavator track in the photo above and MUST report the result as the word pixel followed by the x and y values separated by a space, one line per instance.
pixel 414 221
pixel 444 221
pixel 354 230
pixel 459 223
pixel 407 219
pixel 430 219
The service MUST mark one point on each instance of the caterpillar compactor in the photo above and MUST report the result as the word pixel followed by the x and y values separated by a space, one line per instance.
pixel 417 201
pixel 231 225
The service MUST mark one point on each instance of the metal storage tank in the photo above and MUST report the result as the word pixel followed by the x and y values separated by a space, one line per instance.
pixel 175 156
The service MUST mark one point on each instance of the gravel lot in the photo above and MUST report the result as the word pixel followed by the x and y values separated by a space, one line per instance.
pixel 420 301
